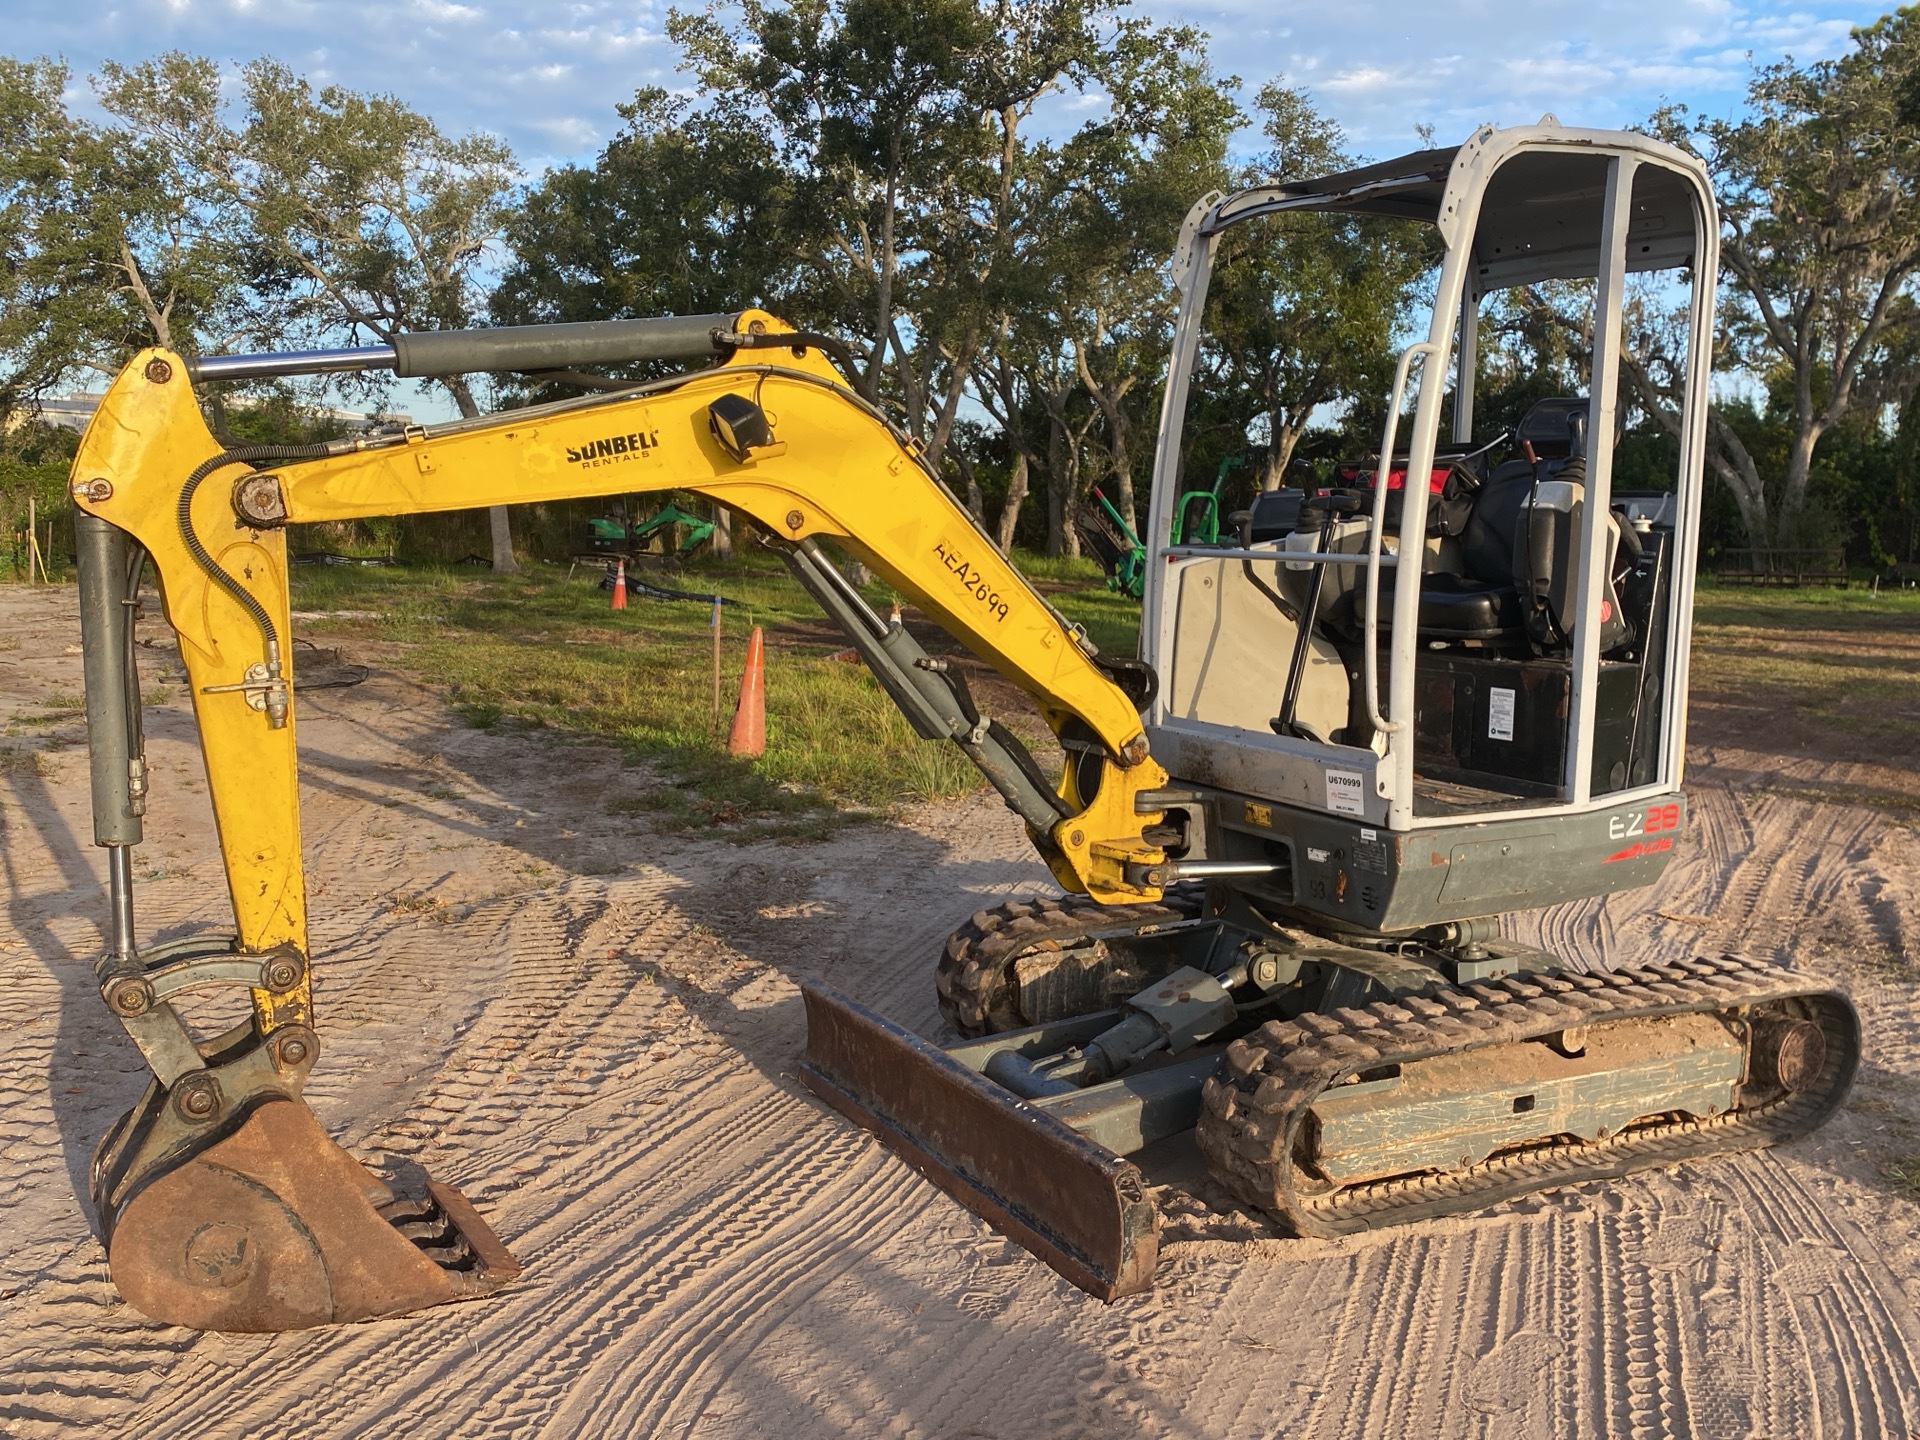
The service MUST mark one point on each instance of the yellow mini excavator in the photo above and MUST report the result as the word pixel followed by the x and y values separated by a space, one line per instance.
pixel 1378 716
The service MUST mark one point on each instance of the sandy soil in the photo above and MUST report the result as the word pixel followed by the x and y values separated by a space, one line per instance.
pixel 592 1031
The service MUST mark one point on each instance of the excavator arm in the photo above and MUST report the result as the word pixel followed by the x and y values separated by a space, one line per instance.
pixel 224 1206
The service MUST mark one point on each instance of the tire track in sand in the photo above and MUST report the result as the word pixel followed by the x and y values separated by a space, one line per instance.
pixel 702 1261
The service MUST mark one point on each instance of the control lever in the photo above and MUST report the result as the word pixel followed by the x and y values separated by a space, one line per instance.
pixel 1336 506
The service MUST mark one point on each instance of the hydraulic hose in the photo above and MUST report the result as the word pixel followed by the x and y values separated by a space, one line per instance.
pixel 835 350
pixel 239 455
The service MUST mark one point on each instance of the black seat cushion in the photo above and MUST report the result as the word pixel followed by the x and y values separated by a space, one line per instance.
pixel 1454 607
pixel 1487 543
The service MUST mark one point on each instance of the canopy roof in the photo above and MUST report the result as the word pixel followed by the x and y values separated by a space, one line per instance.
pixel 1541 211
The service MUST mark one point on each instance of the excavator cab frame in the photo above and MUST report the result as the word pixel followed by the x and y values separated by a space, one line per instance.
pixel 1564 750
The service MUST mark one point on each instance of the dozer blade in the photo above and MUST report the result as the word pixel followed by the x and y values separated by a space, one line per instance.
pixel 1079 1207
pixel 275 1227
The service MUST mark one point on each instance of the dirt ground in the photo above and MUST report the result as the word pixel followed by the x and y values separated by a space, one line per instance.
pixel 592 1031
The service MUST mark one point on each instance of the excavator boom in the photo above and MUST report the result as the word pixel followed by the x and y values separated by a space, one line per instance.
pixel 225 1205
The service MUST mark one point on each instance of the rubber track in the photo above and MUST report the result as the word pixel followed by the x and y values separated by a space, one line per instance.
pixel 1255 1108
pixel 972 977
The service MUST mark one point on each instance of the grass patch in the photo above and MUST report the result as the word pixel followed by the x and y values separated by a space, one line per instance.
pixel 1808 607
pixel 1846 795
pixel 428 907
pixel 58 708
pixel 23 762
pixel 1903 1173
pixel 1844 659
pixel 541 652
pixel 1078 571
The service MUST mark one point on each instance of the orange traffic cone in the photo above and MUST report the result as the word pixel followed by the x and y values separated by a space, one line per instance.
pixel 749 735
pixel 620 585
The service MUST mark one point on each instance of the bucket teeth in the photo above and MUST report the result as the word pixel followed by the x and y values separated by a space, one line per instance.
pixel 274 1227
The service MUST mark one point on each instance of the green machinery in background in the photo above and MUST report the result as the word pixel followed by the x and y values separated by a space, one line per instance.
pixel 613 536
pixel 1106 535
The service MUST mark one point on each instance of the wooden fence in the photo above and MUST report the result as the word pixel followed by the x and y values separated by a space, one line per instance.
pixel 1772 566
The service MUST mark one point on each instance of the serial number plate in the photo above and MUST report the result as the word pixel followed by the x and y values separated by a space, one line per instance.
pixel 971 580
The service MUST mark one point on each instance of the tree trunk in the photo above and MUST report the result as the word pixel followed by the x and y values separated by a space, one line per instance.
pixel 961 368
pixel 499 527
pixel 976 502
pixel 1280 456
pixel 1063 489
pixel 501 532
pixel 1006 388
pixel 1793 494
pixel 1016 497
pixel 722 540
pixel 1729 458
pixel 1122 458
pixel 1108 397
pixel 1057 526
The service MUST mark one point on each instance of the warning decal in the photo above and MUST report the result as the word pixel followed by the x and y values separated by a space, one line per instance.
pixel 1499 714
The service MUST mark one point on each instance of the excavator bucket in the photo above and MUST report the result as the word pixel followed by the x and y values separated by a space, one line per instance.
pixel 274 1227
pixel 1076 1205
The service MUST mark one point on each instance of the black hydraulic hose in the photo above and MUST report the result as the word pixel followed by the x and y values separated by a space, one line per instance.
pixel 183 512
pixel 834 349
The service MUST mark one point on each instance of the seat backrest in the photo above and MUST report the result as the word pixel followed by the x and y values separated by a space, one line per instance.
pixel 1487 542
pixel 1556 428
pixel 1546 560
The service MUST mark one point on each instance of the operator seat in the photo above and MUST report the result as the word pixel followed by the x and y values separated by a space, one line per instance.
pixel 1519 548
pixel 1482 602
pixel 1512 587
pixel 1516 556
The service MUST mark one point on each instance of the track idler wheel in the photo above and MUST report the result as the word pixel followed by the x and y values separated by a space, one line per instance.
pixel 273 1227
pixel 1787 1053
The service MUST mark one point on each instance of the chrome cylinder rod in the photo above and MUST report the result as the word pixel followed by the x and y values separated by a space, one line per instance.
pixel 120 898
pixel 290 362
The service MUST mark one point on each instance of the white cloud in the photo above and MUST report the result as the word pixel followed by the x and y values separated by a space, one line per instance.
pixel 1365 77
pixel 600 39
pixel 570 134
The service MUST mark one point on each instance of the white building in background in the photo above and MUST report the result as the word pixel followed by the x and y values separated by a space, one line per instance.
pixel 69 412
pixel 72 412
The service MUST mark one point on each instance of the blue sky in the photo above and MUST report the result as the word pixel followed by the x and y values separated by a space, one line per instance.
pixel 546 77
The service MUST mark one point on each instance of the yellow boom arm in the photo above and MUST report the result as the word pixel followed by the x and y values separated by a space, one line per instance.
pixel 786 443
